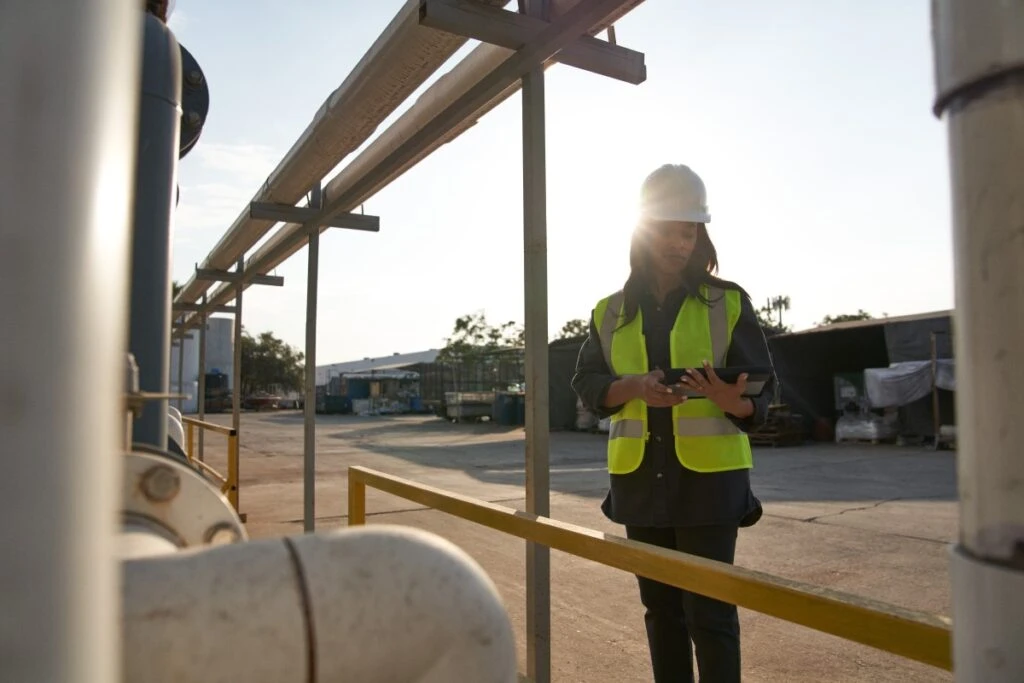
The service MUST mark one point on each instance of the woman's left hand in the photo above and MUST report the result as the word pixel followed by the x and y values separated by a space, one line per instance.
pixel 728 397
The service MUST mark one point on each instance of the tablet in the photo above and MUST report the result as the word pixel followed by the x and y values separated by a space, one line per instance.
pixel 757 378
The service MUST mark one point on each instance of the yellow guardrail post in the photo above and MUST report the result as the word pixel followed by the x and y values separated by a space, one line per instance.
pixel 190 434
pixel 230 483
pixel 356 500
pixel 920 636
pixel 233 469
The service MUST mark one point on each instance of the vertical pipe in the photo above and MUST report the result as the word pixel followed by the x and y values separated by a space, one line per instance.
pixel 309 407
pixel 535 276
pixel 201 391
pixel 236 372
pixel 156 169
pixel 979 57
pixel 936 418
pixel 68 124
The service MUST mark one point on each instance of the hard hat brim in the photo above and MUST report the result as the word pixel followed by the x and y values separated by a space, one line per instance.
pixel 681 216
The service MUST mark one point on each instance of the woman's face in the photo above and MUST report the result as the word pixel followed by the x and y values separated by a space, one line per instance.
pixel 670 245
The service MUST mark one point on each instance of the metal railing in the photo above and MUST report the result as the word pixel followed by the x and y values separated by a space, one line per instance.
pixel 919 636
pixel 229 483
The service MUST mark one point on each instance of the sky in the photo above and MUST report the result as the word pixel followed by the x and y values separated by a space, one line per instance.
pixel 809 122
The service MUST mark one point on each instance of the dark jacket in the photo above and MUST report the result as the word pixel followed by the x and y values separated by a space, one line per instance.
pixel 661 492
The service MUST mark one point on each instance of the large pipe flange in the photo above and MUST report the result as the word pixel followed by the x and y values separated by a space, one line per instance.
pixel 174 506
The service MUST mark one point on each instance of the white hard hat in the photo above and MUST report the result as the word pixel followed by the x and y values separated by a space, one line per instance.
pixel 674 193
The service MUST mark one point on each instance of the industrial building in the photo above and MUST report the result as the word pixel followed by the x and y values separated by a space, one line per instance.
pixel 422 382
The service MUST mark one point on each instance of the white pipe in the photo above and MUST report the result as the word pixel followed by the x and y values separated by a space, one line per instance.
pixel 399 61
pixel 464 75
pixel 378 604
pixel 68 110
pixel 979 56
pixel 136 541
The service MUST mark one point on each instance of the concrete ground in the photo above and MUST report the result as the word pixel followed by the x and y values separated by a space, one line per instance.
pixel 869 520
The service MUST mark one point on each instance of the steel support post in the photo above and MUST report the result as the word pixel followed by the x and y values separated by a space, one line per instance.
pixel 68 125
pixel 181 370
pixel 979 54
pixel 149 334
pixel 204 322
pixel 309 405
pixel 535 294
pixel 236 370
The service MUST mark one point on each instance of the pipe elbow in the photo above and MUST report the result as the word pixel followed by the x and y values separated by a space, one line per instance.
pixel 390 603
pixel 378 604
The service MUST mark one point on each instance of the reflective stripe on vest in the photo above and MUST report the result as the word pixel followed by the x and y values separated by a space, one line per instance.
pixel 705 439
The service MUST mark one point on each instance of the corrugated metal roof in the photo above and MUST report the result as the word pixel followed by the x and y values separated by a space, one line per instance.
pixel 392 362
pixel 872 322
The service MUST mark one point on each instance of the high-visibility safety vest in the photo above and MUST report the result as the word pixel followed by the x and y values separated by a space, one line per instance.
pixel 705 439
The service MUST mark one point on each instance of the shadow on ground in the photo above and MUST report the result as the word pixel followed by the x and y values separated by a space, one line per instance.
pixel 495 455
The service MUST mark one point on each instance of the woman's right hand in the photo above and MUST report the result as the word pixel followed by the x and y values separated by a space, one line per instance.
pixel 655 394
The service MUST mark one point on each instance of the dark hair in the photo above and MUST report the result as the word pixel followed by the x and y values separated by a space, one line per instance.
pixel 699 271
pixel 158 8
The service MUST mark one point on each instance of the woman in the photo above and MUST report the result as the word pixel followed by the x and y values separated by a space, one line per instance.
pixel 679 468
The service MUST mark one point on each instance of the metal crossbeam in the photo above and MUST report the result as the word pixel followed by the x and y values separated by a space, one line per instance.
pixel 514 31
pixel 227 276
pixel 199 308
pixel 553 38
pixel 283 213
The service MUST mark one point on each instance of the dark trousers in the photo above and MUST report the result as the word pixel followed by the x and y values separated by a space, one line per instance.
pixel 675 617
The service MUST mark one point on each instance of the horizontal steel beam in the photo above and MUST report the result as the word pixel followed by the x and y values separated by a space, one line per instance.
pixel 199 308
pixel 576 21
pixel 283 213
pixel 513 31
pixel 228 276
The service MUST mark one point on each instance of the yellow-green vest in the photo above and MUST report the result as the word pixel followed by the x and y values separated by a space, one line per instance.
pixel 705 439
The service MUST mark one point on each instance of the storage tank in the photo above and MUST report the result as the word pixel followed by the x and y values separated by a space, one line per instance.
pixel 220 346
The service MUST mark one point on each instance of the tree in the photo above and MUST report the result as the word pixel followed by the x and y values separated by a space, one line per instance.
pixel 861 314
pixel 574 329
pixel 175 289
pixel 481 356
pixel 268 361
pixel 474 337
pixel 772 309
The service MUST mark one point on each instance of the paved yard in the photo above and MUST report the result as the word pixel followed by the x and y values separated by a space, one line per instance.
pixel 872 520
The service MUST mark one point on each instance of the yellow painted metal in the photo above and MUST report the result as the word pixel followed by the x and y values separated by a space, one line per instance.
pixel 232 478
pixel 209 426
pixel 356 498
pixel 920 636
pixel 228 484
pixel 190 440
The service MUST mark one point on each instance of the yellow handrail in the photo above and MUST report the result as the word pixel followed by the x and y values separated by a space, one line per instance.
pixel 915 635
pixel 229 484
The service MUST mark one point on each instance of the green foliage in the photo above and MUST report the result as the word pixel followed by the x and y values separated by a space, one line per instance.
pixel 770 315
pixel 861 314
pixel 574 329
pixel 268 361
pixel 474 338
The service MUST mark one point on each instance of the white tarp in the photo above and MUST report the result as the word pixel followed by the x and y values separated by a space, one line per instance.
pixel 903 383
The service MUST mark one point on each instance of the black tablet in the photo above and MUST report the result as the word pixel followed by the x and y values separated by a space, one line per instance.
pixel 757 378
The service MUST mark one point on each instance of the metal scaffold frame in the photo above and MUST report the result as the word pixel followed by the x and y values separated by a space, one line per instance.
pixel 66 203
pixel 518 47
